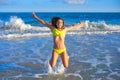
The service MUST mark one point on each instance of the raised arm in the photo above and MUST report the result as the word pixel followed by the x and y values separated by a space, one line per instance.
pixel 41 21
pixel 75 26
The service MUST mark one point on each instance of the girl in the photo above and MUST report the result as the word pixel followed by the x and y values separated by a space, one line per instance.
pixel 58 32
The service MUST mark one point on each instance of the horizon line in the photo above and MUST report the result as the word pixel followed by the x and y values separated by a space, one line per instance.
pixel 61 12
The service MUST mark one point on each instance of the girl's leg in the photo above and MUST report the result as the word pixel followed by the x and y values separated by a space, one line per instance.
pixel 53 59
pixel 65 59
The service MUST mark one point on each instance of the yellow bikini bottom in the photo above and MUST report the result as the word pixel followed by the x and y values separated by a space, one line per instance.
pixel 59 51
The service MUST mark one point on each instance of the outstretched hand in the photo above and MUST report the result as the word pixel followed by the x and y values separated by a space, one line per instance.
pixel 34 15
pixel 82 23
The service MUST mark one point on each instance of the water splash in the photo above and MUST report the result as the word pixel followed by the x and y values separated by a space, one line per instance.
pixel 59 69
pixel 16 24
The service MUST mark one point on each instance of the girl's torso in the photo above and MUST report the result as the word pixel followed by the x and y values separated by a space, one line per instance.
pixel 58 36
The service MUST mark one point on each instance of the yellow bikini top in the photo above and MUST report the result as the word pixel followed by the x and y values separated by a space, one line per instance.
pixel 56 32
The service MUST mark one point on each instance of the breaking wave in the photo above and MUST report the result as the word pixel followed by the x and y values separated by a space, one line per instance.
pixel 17 28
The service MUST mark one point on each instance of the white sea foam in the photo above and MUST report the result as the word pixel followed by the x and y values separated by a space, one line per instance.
pixel 17 28
pixel 61 68
pixel 78 76
pixel 118 49
pixel 17 23
pixel 24 35
pixel 100 26
pixel 72 74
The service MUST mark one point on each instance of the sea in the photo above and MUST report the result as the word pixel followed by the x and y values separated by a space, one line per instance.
pixel 93 49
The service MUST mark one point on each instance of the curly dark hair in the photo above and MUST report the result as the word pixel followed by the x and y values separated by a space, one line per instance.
pixel 54 21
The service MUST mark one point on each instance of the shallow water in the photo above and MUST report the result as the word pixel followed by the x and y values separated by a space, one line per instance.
pixel 92 57
pixel 26 46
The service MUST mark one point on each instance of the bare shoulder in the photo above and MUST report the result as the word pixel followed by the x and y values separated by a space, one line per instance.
pixel 49 26
pixel 65 29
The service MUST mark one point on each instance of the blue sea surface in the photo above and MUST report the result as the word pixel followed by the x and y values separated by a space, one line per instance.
pixel 26 46
pixel 71 17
